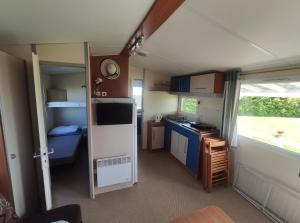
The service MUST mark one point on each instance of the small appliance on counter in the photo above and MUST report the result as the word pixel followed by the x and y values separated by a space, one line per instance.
pixel 157 117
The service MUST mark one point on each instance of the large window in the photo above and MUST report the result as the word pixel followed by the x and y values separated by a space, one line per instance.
pixel 137 93
pixel 189 105
pixel 270 113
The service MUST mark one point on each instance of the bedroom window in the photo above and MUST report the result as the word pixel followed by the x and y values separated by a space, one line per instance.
pixel 270 113
pixel 189 105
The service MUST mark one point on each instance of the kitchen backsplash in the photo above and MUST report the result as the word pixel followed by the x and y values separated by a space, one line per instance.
pixel 209 111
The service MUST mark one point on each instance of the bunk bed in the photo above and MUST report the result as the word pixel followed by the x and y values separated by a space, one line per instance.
pixel 65 142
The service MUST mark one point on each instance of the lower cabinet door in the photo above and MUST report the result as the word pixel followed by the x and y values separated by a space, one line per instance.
pixel 179 146
pixel 182 148
pixel 174 143
pixel 158 137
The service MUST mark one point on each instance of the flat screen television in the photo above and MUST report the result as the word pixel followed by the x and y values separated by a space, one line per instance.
pixel 114 113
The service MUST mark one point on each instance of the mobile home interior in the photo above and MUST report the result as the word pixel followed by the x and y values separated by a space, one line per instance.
pixel 150 111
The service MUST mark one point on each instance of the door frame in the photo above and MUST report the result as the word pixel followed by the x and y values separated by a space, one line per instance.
pixel 139 143
pixel 88 109
pixel 89 119
pixel 5 182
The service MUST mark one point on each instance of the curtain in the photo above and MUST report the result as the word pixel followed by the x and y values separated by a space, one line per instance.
pixel 230 106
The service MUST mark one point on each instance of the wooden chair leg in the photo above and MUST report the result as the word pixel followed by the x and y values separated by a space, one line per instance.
pixel 209 177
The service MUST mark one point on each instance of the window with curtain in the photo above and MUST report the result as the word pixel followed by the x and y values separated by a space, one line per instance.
pixel 269 112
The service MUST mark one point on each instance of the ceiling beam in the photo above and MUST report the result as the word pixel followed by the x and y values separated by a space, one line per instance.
pixel 160 11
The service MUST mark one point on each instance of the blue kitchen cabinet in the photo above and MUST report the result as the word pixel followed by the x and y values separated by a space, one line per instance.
pixel 193 152
pixel 180 84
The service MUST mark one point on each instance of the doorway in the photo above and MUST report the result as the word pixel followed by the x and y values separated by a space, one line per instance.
pixel 65 108
pixel 137 94
pixel 61 104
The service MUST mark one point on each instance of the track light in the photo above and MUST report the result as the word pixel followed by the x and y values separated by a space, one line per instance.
pixel 138 43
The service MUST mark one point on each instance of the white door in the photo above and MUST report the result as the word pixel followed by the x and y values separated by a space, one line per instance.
pixel 17 133
pixel 43 149
pixel 182 148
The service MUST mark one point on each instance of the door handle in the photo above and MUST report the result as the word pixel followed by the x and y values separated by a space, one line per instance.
pixel 51 151
pixel 37 155
pixel 13 156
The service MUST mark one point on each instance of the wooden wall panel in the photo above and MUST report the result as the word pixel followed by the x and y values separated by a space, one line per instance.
pixel 115 88
pixel 160 11
pixel 219 83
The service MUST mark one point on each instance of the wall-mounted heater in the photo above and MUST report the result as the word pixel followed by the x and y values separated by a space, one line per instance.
pixel 113 170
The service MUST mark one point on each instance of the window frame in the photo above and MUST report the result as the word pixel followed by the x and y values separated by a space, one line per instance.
pixel 142 95
pixel 270 147
pixel 268 77
pixel 181 105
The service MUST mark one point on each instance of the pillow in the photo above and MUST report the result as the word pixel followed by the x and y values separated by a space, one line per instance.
pixel 64 130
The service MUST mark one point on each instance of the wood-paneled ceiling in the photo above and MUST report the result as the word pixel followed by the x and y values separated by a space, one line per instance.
pixel 211 34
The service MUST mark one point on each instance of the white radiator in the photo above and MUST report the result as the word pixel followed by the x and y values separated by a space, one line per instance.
pixel 113 170
pixel 275 200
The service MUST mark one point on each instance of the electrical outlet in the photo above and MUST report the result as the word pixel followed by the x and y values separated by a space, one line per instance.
pixel 104 93
pixel 98 93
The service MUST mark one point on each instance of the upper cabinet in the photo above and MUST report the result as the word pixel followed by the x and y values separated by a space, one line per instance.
pixel 180 84
pixel 207 83
pixel 212 83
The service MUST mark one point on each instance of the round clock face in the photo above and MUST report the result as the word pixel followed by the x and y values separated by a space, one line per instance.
pixel 110 69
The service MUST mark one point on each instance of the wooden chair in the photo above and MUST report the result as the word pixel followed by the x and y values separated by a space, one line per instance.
pixel 215 163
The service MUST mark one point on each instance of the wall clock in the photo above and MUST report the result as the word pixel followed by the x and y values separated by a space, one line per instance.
pixel 110 69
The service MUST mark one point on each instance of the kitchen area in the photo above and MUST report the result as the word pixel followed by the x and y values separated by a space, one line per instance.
pixel 199 115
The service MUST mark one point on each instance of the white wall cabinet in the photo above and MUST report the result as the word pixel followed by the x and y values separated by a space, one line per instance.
pixel 179 145
pixel 207 83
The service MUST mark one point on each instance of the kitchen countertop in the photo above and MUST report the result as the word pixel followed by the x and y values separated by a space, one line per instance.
pixel 187 125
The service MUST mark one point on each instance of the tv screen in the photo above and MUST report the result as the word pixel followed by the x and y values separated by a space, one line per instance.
pixel 114 113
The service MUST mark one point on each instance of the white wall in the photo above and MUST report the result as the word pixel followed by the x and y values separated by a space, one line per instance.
pixel 209 111
pixel 156 101
pixel 269 160
pixel 111 140
pixel 63 53
pixel 72 84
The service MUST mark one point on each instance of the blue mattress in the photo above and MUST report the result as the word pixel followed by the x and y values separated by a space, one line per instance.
pixel 65 148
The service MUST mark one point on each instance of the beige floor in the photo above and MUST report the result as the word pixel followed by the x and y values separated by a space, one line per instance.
pixel 164 192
